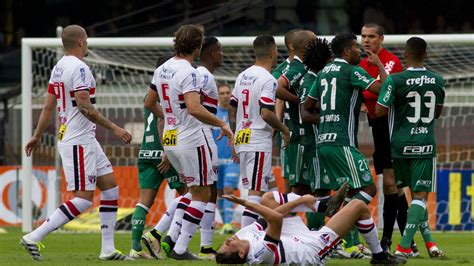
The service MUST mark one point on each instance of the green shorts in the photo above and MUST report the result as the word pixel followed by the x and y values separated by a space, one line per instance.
pixel 322 180
pixel 288 160
pixel 302 161
pixel 344 164
pixel 418 174
pixel 150 178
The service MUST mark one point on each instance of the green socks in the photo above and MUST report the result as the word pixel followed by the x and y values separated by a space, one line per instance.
pixel 425 229
pixel 416 213
pixel 138 224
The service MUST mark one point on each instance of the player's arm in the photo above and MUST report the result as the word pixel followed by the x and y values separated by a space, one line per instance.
pixel 375 60
pixel 150 103
pixel 273 218
pixel 267 106
pixel 88 110
pixel 233 115
pixel 283 92
pixel 440 100
pixel 44 120
pixel 279 109
pixel 385 99
pixel 308 111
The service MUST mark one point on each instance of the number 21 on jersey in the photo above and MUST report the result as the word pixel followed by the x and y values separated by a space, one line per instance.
pixel 332 102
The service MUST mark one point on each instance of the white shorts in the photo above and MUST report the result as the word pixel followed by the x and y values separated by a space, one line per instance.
pixel 303 246
pixel 256 170
pixel 211 143
pixel 193 165
pixel 83 164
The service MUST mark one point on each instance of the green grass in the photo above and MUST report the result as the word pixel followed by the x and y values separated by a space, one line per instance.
pixel 83 249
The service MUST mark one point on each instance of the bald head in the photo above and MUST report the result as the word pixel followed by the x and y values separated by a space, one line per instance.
pixel 290 38
pixel 70 36
pixel 302 38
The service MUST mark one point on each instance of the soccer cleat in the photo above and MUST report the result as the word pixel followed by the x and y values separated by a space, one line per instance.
pixel 340 253
pixel 433 250
pixel 227 229
pixel 32 247
pixel 152 244
pixel 356 253
pixel 403 252
pixel 384 258
pixel 415 253
pixel 167 245
pixel 385 243
pixel 207 253
pixel 364 250
pixel 335 201
pixel 116 255
pixel 139 254
pixel 185 256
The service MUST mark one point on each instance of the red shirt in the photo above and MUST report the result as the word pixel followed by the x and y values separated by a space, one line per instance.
pixel 392 65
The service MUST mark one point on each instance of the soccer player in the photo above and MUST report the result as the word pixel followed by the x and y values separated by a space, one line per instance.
pixel 413 99
pixel 252 116
pixel 279 240
pixel 177 83
pixel 72 91
pixel 153 168
pixel 337 89
pixel 395 204
pixel 280 109
pixel 297 158
pixel 228 174
pixel 210 59
pixel 316 55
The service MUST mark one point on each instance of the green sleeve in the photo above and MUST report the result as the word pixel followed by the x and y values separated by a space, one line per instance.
pixel 294 73
pixel 306 85
pixel 276 73
pixel 360 78
pixel 440 95
pixel 387 93
pixel 314 91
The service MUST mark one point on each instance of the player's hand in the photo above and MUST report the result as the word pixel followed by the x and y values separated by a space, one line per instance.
pixel 164 166
pixel 31 145
pixel 235 158
pixel 123 135
pixel 373 58
pixel 235 199
pixel 309 201
pixel 286 138
pixel 225 131
pixel 363 108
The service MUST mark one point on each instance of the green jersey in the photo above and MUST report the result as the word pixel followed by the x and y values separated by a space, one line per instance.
pixel 151 149
pixel 338 88
pixel 292 118
pixel 281 68
pixel 412 96
pixel 310 130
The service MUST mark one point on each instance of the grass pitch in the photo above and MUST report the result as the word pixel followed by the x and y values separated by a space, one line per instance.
pixel 83 249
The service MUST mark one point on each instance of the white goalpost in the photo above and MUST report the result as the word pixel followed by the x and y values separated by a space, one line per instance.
pixel 124 66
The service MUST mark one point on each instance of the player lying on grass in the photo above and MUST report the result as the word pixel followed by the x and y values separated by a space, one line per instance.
pixel 278 240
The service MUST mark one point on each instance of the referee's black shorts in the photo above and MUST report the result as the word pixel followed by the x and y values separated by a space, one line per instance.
pixel 382 154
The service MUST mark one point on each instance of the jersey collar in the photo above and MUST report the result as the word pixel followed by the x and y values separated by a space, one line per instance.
pixel 340 60
pixel 416 68
pixel 297 58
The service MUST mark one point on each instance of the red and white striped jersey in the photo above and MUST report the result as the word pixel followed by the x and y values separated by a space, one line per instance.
pixel 171 81
pixel 254 88
pixel 209 91
pixel 70 75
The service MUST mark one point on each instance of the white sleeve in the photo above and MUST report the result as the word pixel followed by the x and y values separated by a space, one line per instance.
pixel 81 78
pixel 268 92
pixel 190 82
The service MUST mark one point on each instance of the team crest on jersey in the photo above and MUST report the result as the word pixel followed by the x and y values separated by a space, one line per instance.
pixel 245 181
pixel 325 238
pixel 326 179
pixel 92 179
pixel 366 176
pixel 188 179
pixel 295 238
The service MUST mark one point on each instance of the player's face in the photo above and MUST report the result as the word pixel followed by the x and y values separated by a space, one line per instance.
pixel 230 245
pixel 370 40
pixel 224 95
pixel 219 54
pixel 355 53
pixel 83 44
pixel 275 56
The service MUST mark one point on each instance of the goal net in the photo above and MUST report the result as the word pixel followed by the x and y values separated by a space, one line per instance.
pixel 123 68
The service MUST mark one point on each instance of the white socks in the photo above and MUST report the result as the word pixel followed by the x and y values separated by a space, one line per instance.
pixel 108 218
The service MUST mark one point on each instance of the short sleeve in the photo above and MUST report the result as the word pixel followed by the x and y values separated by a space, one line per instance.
pixel 387 93
pixel 360 78
pixel 267 97
pixel 81 78
pixel 294 73
pixel 314 91
pixel 441 94
pixel 190 82
pixel 306 85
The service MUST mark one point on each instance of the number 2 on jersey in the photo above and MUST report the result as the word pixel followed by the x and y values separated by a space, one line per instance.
pixel 332 102
pixel 245 102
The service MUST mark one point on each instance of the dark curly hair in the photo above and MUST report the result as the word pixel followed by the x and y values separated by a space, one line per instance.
pixel 230 258
pixel 187 39
pixel 342 41
pixel 316 54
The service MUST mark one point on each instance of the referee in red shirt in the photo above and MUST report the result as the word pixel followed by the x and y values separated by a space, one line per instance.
pixel 395 205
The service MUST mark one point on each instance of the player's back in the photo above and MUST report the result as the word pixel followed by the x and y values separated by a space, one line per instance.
pixel 254 87
pixel 150 149
pixel 339 86
pixel 172 80
pixel 69 76
pixel 412 116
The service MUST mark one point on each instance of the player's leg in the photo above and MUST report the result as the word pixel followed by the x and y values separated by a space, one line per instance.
pixel 255 169
pixel 220 190
pixel 285 168
pixel 197 168
pixel 321 188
